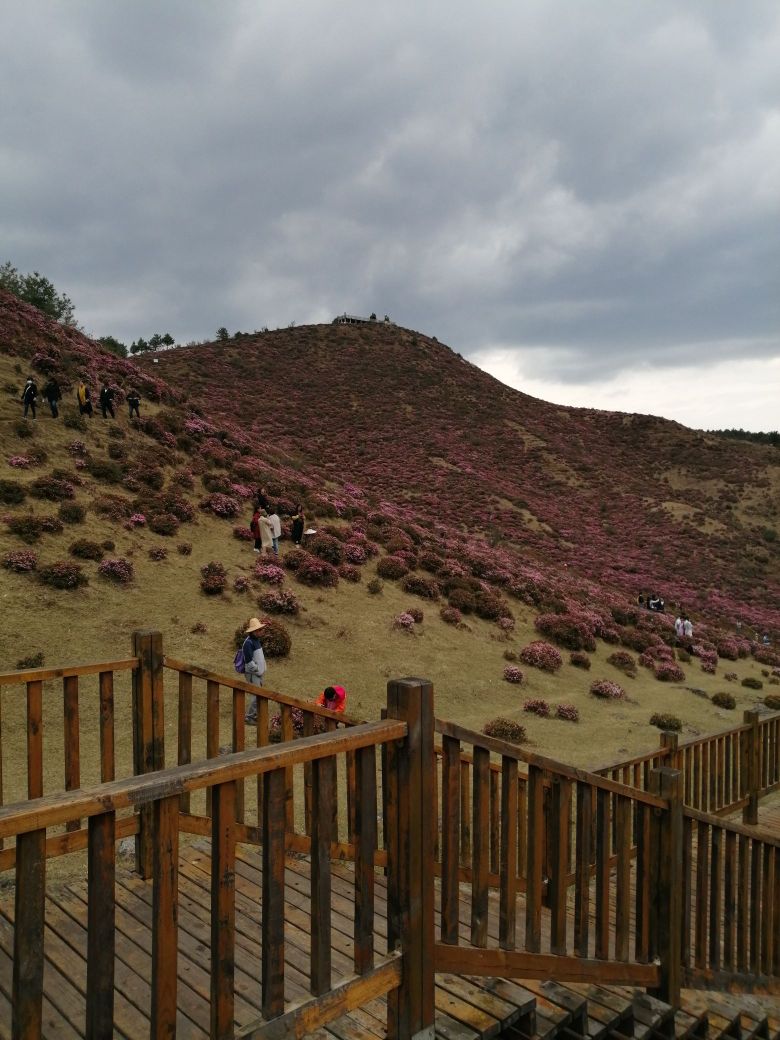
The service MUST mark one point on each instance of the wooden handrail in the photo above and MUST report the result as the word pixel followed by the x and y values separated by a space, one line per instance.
pixel 43 674
pixel 143 790
pixel 507 750
pixel 730 826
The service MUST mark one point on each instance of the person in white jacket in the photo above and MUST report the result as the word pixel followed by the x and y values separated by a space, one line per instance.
pixel 254 663
pixel 276 530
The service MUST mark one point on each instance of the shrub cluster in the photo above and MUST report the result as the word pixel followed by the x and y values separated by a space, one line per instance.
pixel 279 601
pixel 566 630
pixel 184 548
pixel 20 560
pixel 420 585
pixel 271 573
pixel 668 671
pixel 567 713
pixel 505 729
pixel 51 488
pixel 85 549
pixel 241 584
pixel 537 706
pixel 316 572
pixel 31 661
pixel 665 720
pixel 275 638
pixel 541 655
pixel 374 586
pixel 164 523
pixel 450 615
pixel 12 493
pixel 117 569
pixel 404 622
pixel 513 674
pixel 724 700
pixel 221 505
pixel 391 567
pixel 159 552
pixel 72 512
pixel 751 683
pixel 213 578
pixel 579 659
pixel 607 690
pixel 63 575
pixel 772 700
pixel 624 662
pixel 243 534
pixel 327 548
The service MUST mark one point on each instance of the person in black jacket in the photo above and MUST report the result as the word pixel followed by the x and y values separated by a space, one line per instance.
pixel 133 401
pixel 29 395
pixel 107 400
pixel 53 394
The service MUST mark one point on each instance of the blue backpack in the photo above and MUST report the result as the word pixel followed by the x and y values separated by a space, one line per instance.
pixel 238 661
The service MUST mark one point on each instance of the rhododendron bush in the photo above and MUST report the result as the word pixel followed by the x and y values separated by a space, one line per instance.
pixel 541 655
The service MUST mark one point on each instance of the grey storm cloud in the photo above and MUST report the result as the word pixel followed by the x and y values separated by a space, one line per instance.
pixel 592 185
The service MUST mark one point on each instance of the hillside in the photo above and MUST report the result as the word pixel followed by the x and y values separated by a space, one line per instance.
pixel 504 519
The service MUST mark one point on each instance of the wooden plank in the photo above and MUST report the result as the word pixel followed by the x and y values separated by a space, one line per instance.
pixel 465 814
pixel 143 744
pixel 262 739
pixel 754 958
pixel 34 739
pixel 223 909
pixel 365 846
pixel 164 929
pixel 743 888
pixel 687 891
pixel 107 753
pixel 46 674
pixel 238 739
pixel 702 893
pixel 729 901
pixel 602 874
pixel 70 714
pixel 480 861
pixel 767 909
pixel 517 964
pixel 27 983
pixel 584 858
pixel 212 730
pixel 324 789
pixel 642 885
pixel 272 967
pixel 716 888
pixel 101 865
pixel 508 866
pixel 288 734
pixel 622 878
pixel 184 722
pixel 533 894
pixel 495 821
pixel 450 789
pixel 559 833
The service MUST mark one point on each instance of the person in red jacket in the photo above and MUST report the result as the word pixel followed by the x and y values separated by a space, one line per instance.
pixel 333 697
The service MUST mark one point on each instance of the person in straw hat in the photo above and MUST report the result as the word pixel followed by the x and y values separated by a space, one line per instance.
pixel 254 663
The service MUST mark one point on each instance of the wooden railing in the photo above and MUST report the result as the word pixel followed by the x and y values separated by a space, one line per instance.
pixel 723 772
pixel 618 882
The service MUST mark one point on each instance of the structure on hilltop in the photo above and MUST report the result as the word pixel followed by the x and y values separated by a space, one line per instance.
pixel 355 319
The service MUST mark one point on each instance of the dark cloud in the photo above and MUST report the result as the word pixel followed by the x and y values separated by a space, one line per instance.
pixel 597 182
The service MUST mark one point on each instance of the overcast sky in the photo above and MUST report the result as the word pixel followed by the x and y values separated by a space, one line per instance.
pixel 581 197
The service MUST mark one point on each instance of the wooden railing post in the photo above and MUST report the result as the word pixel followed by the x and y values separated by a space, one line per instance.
pixel 671 740
pixel 148 732
pixel 751 762
pixel 666 893
pixel 410 1011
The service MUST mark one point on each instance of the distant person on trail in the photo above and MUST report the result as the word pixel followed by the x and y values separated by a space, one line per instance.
pixel 107 401
pixel 266 534
pixel 261 499
pixel 679 627
pixel 254 663
pixel 84 398
pixel 53 394
pixel 133 401
pixel 276 531
pixel 29 396
pixel 333 697
pixel 254 527
pixel 298 524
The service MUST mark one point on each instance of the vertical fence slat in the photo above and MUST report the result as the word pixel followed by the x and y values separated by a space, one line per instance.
pixel 288 733
pixel 687 891
pixel 702 893
pixel 107 759
pixel 716 887
pixel 365 844
pixel 480 847
pixel 262 738
pixel 184 736
pixel 729 900
pixel 622 877
pixel 70 720
pixel 642 895
pixel 666 903
pixel 767 910
pixel 101 863
pixel 465 814
pixel 743 882
pixel 148 733
pixel 495 820
pixel 308 731
pixel 272 961
pixel 583 862
pixel 533 895
pixel 324 787
pixel 223 908
pixel 507 910
pixel 602 874
pixel 34 739
pixel 560 804
pixel 212 730
pixel 27 984
pixel 450 823
pixel 165 871
pixel 238 743
pixel 754 960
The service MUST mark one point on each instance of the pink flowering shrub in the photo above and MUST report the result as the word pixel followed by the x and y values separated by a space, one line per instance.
pixel 506 624
pixel 567 712
pixel 51 488
pixel 349 572
pixel 580 659
pixel 766 655
pixel 243 534
pixel 327 548
pixel 490 606
pixel 184 548
pixel 19 461
pixel 731 676
pixel 137 520
pixel 316 572
pixel 505 729
pixel 391 567
pixel 159 552
pixel 271 573
pixel 566 630
pixel 63 575
pixel 623 660
pixel 118 569
pixel 420 585
pixel 450 615
pixel 404 622
pixel 513 674
pixel 297 716
pixel 416 613
pixel 224 506
pixel 727 649
pixel 541 655
pixel 164 523
pixel 241 584
pixel 213 578
pixel 354 554
pixel 78 449
pixel 669 671
pixel 537 706
pixel 607 690
pixel 279 601
pixel 20 560
pixel 294 558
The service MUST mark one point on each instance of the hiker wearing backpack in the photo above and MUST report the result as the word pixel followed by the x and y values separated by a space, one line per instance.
pixel 29 396
pixel 253 660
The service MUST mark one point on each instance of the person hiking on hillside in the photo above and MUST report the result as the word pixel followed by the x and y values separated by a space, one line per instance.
pixel 679 627
pixel 261 499
pixel 254 663
pixel 298 524
pixel 107 401
pixel 266 533
pixel 333 697
pixel 29 396
pixel 133 401
pixel 53 394
pixel 276 530
pixel 254 527
pixel 84 398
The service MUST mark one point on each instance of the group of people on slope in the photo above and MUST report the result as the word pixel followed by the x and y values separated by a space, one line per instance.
pixel 332 697
pixel 52 394
pixel 266 525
